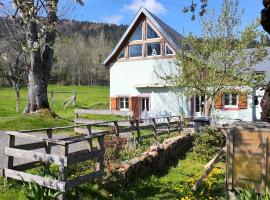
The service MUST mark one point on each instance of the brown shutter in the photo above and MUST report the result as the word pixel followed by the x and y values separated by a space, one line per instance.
pixel 218 101
pixel 114 103
pixel 243 102
pixel 134 106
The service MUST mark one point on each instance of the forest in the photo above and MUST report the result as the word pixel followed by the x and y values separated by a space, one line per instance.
pixel 80 49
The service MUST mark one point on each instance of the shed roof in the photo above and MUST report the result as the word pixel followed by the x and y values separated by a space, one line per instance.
pixel 171 35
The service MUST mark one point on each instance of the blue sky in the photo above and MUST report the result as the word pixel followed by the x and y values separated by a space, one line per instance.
pixel 170 11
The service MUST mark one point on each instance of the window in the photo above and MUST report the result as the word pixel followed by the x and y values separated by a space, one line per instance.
pixel 256 100
pixel 124 103
pixel 151 33
pixel 135 50
pixel 122 54
pixel 144 104
pixel 168 50
pixel 153 49
pixel 199 104
pixel 137 35
pixel 230 100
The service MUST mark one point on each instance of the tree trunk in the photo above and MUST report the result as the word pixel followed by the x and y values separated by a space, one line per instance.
pixel 265 103
pixel 18 97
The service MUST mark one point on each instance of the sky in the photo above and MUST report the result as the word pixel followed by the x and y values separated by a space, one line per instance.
pixel 170 11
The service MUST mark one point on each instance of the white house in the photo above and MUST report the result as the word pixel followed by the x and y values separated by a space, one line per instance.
pixel 147 48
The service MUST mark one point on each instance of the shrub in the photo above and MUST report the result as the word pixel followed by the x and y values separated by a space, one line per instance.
pixel 208 143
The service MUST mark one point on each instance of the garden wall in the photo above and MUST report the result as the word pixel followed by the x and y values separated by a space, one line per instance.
pixel 157 158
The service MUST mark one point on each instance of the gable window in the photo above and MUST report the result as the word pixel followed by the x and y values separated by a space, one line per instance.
pixel 124 103
pixel 151 33
pixel 168 50
pixel 122 54
pixel 230 100
pixel 153 49
pixel 135 50
pixel 137 35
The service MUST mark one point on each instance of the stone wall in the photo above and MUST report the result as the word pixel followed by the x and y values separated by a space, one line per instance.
pixel 157 158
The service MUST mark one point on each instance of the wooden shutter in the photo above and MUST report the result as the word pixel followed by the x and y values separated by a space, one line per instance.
pixel 191 106
pixel 114 103
pixel 218 101
pixel 243 101
pixel 134 105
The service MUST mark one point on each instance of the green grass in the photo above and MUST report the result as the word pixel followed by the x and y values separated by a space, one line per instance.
pixel 94 97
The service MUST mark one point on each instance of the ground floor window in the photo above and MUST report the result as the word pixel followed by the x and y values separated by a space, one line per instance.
pixel 199 104
pixel 123 103
pixel 145 104
pixel 230 100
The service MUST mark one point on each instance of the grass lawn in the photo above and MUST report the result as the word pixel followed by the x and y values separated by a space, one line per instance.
pixel 94 97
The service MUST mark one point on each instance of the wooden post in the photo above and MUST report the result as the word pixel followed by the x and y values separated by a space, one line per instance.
pixel 62 176
pixel 52 98
pixel 139 137
pixel 264 162
pixel 168 125
pixel 100 163
pixel 180 124
pixel 229 163
pixel 75 98
pixel 132 128
pixel 48 146
pixel 117 131
pixel 153 120
pixel 10 159
pixel 90 142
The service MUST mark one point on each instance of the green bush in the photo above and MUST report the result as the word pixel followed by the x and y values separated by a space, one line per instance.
pixel 208 143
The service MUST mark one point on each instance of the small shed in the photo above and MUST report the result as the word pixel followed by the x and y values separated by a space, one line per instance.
pixel 248 156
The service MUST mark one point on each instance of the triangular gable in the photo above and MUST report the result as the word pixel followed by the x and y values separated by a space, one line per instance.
pixel 172 37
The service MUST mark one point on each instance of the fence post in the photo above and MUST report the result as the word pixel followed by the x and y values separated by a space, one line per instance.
pixel 90 142
pixel 229 161
pixel 100 163
pixel 264 162
pixel 153 120
pixel 116 128
pixel 132 128
pixel 75 98
pixel 139 137
pixel 168 125
pixel 52 98
pixel 48 146
pixel 180 124
pixel 62 176
pixel 10 159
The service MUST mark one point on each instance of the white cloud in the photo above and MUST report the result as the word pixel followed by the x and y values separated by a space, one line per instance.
pixel 115 19
pixel 152 5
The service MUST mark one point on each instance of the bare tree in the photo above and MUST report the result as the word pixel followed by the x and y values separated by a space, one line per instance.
pixel 38 19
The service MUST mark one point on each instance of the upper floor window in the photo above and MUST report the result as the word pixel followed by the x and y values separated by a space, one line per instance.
pixel 230 100
pixel 135 50
pixel 168 50
pixel 122 54
pixel 151 33
pixel 137 35
pixel 153 49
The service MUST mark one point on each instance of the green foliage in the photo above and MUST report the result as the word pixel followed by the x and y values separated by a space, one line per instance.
pixel 34 191
pixel 250 194
pixel 221 59
pixel 208 143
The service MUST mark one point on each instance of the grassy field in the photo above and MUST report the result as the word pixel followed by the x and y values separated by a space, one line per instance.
pixel 95 97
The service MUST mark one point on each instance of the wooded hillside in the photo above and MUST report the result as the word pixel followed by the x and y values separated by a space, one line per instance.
pixel 79 51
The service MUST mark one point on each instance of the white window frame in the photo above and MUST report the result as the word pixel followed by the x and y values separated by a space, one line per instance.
pixel 230 99
pixel 141 100
pixel 153 55
pixel 167 46
pixel 125 99
pixel 134 32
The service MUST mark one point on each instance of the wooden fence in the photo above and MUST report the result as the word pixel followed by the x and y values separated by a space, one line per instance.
pixel 248 156
pixel 33 158
pixel 157 126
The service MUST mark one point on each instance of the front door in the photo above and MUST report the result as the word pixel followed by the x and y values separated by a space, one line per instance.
pixel 199 105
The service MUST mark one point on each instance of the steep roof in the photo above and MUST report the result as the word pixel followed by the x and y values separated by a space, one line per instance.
pixel 171 35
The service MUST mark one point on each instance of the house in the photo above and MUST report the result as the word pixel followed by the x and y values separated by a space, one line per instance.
pixel 148 48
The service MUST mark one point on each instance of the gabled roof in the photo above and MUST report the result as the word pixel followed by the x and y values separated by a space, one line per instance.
pixel 171 35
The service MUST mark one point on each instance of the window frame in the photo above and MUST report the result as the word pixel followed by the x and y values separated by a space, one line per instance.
pixel 142 52
pixel 146 32
pixel 141 103
pixel 146 49
pixel 165 50
pixel 125 100
pixel 230 101
pixel 142 36
pixel 124 49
